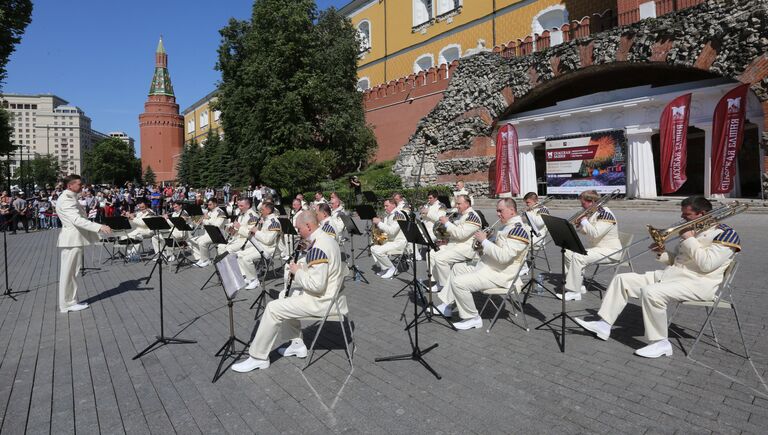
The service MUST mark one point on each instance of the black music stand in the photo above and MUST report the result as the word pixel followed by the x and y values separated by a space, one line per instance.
pixel 217 238
pixel 286 226
pixel 117 223
pixel 180 224
pixel 226 268
pixel 366 212
pixel 280 210
pixel 349 224
pixel 413 235
pixel 231 217
pixel 158 224
pixel 8 291
pixel 193 209
pixel 370 196
pixel 564 235
pixel 445 200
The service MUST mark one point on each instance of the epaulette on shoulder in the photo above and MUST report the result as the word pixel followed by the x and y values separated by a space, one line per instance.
pixel 728 237
pixel 544 210
pixel 474 219
pixel 316 256
pixel 275 225
pixel 519 233
pixel 400 216
pixel 328 229
pixel 605 215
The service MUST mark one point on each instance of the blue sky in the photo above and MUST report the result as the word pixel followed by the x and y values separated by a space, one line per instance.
pixel 99 54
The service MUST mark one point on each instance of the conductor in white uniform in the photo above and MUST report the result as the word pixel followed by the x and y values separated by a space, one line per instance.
pixel 76 232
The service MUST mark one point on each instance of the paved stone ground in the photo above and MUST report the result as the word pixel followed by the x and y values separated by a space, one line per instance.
pixel 74 373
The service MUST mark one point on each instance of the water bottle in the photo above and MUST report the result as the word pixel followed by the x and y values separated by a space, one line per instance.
pixel 537 288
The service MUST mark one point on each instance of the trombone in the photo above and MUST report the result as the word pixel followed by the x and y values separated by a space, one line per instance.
pixel 592 209
pixel 490 232
pixel 538 205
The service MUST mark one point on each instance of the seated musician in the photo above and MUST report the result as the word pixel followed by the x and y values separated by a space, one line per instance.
pixel 176 235
pixel 337 209
pixel 460 190
pixel 432 212
pixel 263 242
pixel 499 263
pixel 214 216
pixel 239 229
pixel 140 230
pixel 693 273
pixel 396 242
pixel 402 204
pixel 459 247
pixel 304 205
pixel 531 200
pixel 319 199
pixel 323 212
pixel 320 275
pixel 601 229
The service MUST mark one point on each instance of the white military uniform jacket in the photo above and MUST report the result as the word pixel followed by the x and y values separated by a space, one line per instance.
pixel 328 228
pixel 702 259
pixel 390 226
pixel 178 234
pixel 76 229
pixel 457 193
pixel 538 222
pixel 434 212
pixel 246 221
pixel 216 218
pixel 268 234
pixel 502 259
pixel 140 227
pixel 460 232
pixel 338 224
pixel 321 273
pixel 601 230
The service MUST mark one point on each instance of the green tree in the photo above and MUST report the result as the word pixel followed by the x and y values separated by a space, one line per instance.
pixel 298 170
pixel 45 170
pixel 15 15
pixel 288 82
pixel 149 177
pixel 111 161
pixel 187 169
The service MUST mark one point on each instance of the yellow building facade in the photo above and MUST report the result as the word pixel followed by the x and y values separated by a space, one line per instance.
pixel 402 37
pixel 200 118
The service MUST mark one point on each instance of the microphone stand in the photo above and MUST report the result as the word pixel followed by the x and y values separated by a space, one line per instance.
pixel 8 291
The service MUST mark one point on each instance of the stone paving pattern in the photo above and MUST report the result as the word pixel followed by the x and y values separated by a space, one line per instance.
pixel 74 373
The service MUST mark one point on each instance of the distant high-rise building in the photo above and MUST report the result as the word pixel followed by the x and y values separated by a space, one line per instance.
pixel 162 128
pixel 47 124
pixel 123 136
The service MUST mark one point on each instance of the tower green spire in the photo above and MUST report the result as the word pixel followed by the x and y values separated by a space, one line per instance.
pixel 161 80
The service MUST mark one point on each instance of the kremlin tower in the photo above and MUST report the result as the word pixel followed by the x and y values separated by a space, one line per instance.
pixel 161 126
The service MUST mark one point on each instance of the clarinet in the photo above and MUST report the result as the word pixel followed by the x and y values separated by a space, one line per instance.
pixel 250 234
pixel 295 257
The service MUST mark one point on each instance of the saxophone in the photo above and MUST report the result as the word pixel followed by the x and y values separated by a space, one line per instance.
pixel 378 237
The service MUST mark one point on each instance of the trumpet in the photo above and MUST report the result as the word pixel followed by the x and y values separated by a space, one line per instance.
pixel 439 228
pixel 538 205
pixel 592 209
pixel 661 237
pixel 491 233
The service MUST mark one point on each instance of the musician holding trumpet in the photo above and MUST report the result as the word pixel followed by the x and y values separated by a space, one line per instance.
pixel 500 259
pixel 263 242
pixel 431 212
pixel 599 225
pixel 396 241
pixel 459 247
pixel 140 229
pixel 693 273
pixel 239 229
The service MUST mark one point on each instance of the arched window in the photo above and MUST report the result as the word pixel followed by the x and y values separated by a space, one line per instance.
pixel 422 11
pixel 549 18
pixel 364 33
pixel 363 84
pixel 445 6
pixel 204 119
pixel 449 54
pixel 423 63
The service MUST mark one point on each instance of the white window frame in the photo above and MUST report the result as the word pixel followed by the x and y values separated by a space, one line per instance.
pixel 417 68
pixel 441 58
pixel 442 4
pixel 191 125
pixel 537 28
pixel 367 83
pixel 366 44
pixel 216 115
pixel 428 6
pixel 203 119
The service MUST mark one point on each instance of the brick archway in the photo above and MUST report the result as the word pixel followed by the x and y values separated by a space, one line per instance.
pixel 487 86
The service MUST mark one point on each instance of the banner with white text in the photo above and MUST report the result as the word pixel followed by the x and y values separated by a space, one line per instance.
pixel 592 161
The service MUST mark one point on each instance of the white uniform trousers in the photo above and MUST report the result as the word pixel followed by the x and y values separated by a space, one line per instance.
pixel 575 264
pixel 654 298
pixel 282 246
pixel 160 241
pixel 247 258
pixel 200 247
pixel 444 259
pixel 139 234
pixel 71 260
pixel 445 295
pixel 233 247
pixel 381 253
pixel 283 312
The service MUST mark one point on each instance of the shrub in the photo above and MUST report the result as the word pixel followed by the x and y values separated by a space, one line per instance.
pixel 298 170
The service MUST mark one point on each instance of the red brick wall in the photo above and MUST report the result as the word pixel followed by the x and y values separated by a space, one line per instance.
pixel 162 136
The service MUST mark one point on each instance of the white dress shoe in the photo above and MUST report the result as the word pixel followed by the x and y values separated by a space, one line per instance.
pixel 655 349
pixel 389 273
pixel 475 322
pixel 601 328
pixel 583 289
pixel 75 307
pixel 570 296
pixel 250 364
pixel 444 310
pixel 436 288
pixel 297 348
pixel 253 284
pixel 202 263
pixel 171 258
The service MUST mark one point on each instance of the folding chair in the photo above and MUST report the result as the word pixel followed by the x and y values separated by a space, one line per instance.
pixel 540 251
pixel 511 295
pixel 404 258
pixel 723 298
pixel 625 239
pixel 349 343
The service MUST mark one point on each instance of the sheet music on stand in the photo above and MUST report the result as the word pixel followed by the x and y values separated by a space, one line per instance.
pixel 231 278
pixel 536 230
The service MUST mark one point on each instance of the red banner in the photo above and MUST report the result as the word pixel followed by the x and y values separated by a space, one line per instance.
pixel 507 161
pixel 674 143
pixel 727 135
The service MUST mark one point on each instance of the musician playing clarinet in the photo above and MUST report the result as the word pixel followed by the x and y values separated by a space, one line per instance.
pixel 692 273
pixel 320 275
